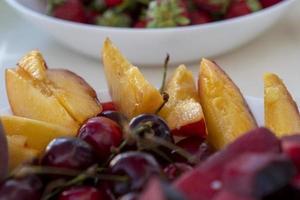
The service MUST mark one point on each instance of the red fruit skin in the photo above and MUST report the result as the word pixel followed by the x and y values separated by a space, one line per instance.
pixel 259 140
pixel 108 106
pixel 102 134
pixel 226 195
pixel 72 10
pixel 296 182
pixel 253 174
pixel 194 129
pixel 82 193
pixel 291 147
pixel 112 3
pixel 238 8
pixel 199 17
pixel 153 191
pixel 268 3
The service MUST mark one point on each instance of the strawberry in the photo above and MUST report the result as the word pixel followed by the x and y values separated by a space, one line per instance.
pixel 72 10
pixel 140 24
pixel 268 3
pixel 218 7
pixel 199 17
pixel 242 7
pixel 167 13
pixel 113 3
pixel 91 16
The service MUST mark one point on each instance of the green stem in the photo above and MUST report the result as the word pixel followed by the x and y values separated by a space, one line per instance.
pixel 165 73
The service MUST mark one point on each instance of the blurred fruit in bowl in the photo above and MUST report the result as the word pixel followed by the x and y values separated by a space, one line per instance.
pixel 199 20
pixel 55 96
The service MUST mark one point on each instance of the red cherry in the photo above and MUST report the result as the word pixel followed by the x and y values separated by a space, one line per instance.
pixel 72 10
pixel 103 134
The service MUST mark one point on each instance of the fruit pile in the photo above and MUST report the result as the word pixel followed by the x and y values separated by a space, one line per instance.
pixel 181 142
pixel 153 13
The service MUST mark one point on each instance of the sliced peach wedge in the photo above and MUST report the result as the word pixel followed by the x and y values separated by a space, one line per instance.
pixel 18 151
pixel 55 96
pixel 226 112
pixel 131 93
pixel 38 133
pixel 281 111
pixel 183 111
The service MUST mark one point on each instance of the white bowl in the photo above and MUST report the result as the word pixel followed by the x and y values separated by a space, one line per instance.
pixel 149 46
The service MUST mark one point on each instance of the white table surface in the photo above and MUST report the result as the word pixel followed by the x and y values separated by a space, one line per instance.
pixel 277 50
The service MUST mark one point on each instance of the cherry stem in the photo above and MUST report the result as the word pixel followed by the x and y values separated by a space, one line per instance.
pixel 165 100
pixel 165 73
pixel 171 146
pixel 24 170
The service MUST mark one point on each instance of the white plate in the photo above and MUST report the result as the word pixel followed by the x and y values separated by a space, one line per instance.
pixel 149 47
pixel 255 104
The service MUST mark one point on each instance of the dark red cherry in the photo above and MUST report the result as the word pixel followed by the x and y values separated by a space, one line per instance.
pixel 103 134
pixel 68 152
pixel 25 188
pixel 138 167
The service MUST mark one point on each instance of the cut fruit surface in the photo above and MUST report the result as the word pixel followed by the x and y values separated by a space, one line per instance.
pixel 37 133
pixel 131 93
pixel 55 96
pixel 226 112
pixel 74 94
pixel 18 150
pixel 281 111
pixel 183 111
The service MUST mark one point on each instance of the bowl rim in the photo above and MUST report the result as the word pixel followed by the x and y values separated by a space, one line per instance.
pixel 27 11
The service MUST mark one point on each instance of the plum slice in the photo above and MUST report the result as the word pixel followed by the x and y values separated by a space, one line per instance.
pixel 258 175
pixel 204 181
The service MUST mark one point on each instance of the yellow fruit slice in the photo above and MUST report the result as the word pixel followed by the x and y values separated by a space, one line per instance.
pixel 38 134
pixel 18 151
pixel 55 96
pixel 226 113
pixel 281 111
pixel 183 107
pixel 129 90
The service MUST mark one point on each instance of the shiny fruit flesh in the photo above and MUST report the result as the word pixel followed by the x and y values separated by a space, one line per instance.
pixel 183 112
pixel 38 133
pixel 226 112
pixel 131 93
pixel 18 151
pixel 281 112
pixel 55 96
